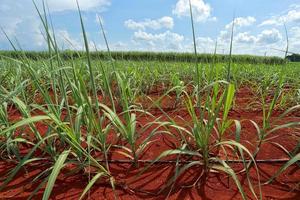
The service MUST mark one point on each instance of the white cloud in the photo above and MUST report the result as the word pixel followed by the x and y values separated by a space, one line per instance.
pixel 201 10
pixel 66 41
pixel 239 23
pixel 164 22
pixel 294 39
pixel 242 22
pixel 295 31
pixel 119 46
pixel 245 37
pixel 290 16
pixel 205 45
pixel 19 19
pixel 269 22
pixel 256 44
pixel 248 43
pixel 62 5
pixel 224 35
pixel 159 42
pixel 269 36
pixel 141 35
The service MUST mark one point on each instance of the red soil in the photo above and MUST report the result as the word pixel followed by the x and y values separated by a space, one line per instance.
pixel 147 185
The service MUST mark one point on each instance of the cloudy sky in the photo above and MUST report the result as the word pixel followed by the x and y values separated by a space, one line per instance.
pixel 158 25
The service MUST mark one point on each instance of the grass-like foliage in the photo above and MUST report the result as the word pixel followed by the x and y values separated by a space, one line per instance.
pixel 95 104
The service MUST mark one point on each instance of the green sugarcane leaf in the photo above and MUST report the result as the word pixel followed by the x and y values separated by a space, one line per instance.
pixel 91 183
pixel 53 176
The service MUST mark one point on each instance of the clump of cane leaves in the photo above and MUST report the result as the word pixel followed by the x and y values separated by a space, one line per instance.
pixel 4 122
pixel 127 94
pixel 273 84
pixel 126 123
pixel 204 137
pixel 128 128
pixel 179 86
pixel 294 155
pixel 10 146
pixel 271 91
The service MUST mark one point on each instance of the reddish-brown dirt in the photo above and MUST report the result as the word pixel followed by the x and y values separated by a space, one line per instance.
pixel 151 182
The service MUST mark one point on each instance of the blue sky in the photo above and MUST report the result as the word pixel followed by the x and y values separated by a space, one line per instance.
pixel 158 25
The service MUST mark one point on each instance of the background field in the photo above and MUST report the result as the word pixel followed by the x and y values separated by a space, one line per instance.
pixel 153 94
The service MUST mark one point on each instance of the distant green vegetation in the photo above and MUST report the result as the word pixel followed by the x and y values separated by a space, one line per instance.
pixel 294 58
pixel 149 56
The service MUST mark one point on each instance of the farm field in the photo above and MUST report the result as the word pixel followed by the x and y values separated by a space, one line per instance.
pixel 145 135
pixel 108 124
